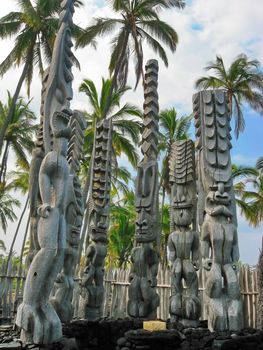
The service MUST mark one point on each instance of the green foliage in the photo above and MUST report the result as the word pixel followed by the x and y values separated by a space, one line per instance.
pixel 243 82
pixel 121 231
pixel 248 187
pixel 34 27
pixel 7 204
pixel 126 120
pixel 19 133
pixel 138 21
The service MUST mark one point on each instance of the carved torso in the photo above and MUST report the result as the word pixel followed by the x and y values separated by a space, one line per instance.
pixel 183 243
pixel 221 235
pixel 142 260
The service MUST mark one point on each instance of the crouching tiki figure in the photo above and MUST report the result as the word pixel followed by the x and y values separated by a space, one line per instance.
pixel 219 242
pixel 183 242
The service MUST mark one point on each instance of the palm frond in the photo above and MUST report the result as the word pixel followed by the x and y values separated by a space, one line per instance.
pixel 101 27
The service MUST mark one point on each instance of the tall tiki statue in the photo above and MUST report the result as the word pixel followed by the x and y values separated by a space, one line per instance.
pixel 143 299
pixel 216 209
pixel 73 215
pixel 92 289
pixel 183 242
pixel 36 315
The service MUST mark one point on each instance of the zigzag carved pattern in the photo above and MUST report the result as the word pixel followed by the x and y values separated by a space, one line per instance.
pixel 151 111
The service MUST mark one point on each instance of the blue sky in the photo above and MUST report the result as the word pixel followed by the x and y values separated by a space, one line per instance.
pixel 205 28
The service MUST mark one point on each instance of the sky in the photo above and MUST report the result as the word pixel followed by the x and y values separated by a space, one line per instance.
pixel 206 28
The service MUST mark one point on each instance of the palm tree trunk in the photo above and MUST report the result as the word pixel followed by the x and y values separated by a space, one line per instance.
pixel 260 289
pixel 161 225
pixel 4 163
pixel 83 233
pixel 21 261
pixel 17 230
pixel 13 105
pixel 115 76
pixel 86 189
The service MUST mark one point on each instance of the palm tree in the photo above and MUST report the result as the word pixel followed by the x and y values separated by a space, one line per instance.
pixel 251 202
pixel 248 187
pixel 20 181
pixel 126 119
pixel 242 81
pixel 35 27
pixel 2 248
pixel 19 133
pixel 137 21
pixel 7 203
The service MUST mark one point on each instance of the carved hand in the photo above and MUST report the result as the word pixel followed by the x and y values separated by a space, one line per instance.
pixel 153 281
pixel 131 277
pixel 44 210
pixel 196 265
pixel 207 264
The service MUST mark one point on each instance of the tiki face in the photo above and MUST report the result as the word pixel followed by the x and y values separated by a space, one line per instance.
pixel 74 220
pixel 74 213
pixel 218 201
pixel 183 216
pixel 183 202
pixel 146 202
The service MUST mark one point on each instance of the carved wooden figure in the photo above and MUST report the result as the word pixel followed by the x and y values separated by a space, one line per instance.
pixel 143 299
pixel 36 316
pixel 92 288
pixel 73 213
pixel 219 242
pixel 183 242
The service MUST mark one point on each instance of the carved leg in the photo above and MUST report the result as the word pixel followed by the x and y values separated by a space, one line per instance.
pixel 214 282
pixel 150 300
pixel 134 297
pixel 177 291
pixel 35 315
pixel 234 305
pixel 191 302
pixel 215 300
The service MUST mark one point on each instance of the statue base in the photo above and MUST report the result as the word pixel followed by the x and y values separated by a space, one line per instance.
pixel 154 326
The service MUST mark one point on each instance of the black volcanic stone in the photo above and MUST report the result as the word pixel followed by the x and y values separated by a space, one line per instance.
pixel 99 335
pixel 169 339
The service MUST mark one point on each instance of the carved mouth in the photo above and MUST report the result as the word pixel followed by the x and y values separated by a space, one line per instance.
pixel 76 231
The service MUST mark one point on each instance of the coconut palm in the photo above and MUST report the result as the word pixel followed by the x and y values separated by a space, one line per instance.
pixel 242 81
pixel 2 248
pixel 7 204
pixel 126 119
pixel 34 27
pixel 249 193
pixel 19 181
pixel 137 22
pixel 19 133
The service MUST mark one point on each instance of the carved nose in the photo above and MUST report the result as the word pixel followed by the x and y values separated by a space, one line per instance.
pixel 141 224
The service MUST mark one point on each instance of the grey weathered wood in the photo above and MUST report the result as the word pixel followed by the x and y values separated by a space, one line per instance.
pixel 116 289
pixel 143 299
